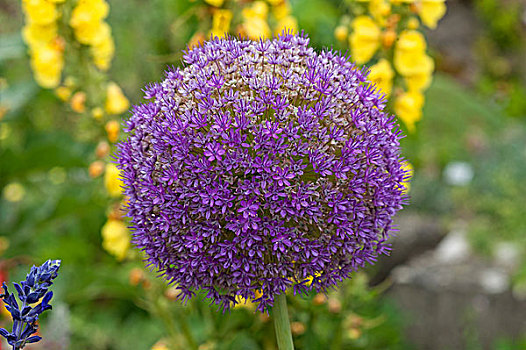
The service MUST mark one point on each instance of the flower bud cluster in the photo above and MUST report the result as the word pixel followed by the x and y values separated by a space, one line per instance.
pixel 46 46
pixel 259 166
pixel 87 21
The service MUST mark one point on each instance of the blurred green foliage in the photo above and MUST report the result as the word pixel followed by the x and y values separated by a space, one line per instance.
pixel 503 20
pixel 501 50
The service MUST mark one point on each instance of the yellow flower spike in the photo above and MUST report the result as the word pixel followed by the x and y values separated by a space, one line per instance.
pixel 103 53
pixel 431 11
pixel 103 34
pixel 408 107
pixel 221 22
pixel 411 41
pixel 341 32
pixel 406 166
pixel 47 80
pixel 47 62
pixel 63 93
pixel 408 64
pixel 419 78
pixel 78 102
pixel 411 61
pixel 93 33
pixel 35 34
pixel 380 9
pixel 382 76
pixel 40 12
pixel 216 3
pixel 281 10
pixel 112 180
pixel 112 129
pixel 289 23
pixel 115 238
pixel 256 28
pixel 364 39
pixel 116 102
pixel 88 12
pixel 260 9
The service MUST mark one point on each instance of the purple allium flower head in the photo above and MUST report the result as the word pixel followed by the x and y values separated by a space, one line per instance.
pixel 261 166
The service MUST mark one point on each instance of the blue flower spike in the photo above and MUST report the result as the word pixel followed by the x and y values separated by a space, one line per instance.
pixel 25 315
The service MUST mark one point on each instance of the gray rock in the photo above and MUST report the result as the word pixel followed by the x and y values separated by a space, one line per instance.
pixel 455 300
pixel 417 234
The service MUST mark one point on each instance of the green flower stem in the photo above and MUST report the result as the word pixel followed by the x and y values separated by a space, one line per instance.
pixel 282 323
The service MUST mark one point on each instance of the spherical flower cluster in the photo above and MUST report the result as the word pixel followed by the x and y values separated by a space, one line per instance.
pixel 386 36
pixel 259 166
pixel 87 21
pixel 46 47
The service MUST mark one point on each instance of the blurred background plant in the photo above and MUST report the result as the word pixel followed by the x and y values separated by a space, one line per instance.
pixel 68 69
pixel 501 51
pixel 386 36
